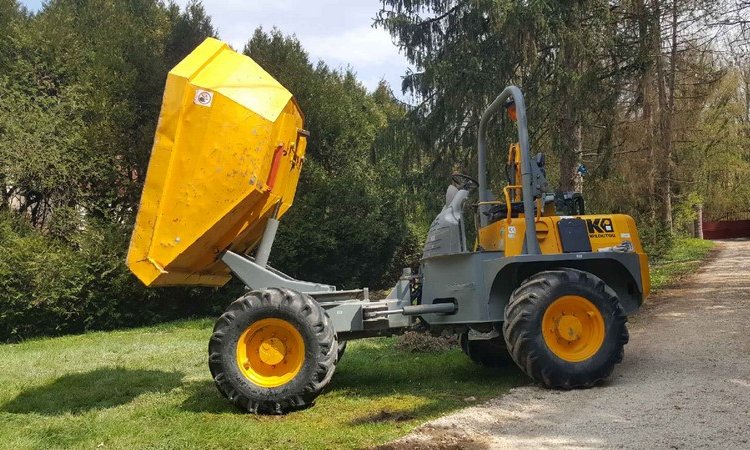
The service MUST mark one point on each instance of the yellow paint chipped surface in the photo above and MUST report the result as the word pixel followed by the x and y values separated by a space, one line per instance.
pixel 223 118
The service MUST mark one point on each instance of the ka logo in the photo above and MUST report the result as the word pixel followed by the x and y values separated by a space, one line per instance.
pixel 600 226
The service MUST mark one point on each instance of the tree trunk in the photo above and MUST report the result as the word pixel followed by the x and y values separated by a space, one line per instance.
pixel 698 222
pixel 646 38
pixel 570 143
pixel 666 89
pixel 664 82
pixel 570 151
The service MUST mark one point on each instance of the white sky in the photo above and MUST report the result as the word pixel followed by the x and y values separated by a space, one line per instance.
pixel 338 32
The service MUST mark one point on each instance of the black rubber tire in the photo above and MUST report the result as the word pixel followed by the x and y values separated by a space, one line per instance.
pixel 522 329
pixel 321 351
pixel 341 351
pixel 486 352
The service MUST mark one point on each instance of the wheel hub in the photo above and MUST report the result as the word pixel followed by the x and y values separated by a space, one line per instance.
pixel 272 351
pixel 569 328
pixel 573 328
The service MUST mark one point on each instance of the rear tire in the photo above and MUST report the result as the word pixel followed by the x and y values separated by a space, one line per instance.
pixel 573 349
pixel 341 351
pixel 273 351
pixel 485 352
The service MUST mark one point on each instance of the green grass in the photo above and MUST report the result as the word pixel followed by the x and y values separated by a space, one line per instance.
pixel 682 259
pixel 150 387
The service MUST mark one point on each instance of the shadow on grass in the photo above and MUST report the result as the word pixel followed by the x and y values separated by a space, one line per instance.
pixel 373 370
pixel 204 397
pixel 98 389
pixel 377 371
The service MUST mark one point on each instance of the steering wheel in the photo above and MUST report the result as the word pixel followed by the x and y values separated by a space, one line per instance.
pixel 464 181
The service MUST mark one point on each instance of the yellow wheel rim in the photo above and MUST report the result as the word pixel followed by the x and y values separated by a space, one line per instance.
pixel 270 352
pixel 573 328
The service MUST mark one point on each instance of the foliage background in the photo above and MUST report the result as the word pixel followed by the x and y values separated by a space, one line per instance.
pixel 652 96
pixel 79 99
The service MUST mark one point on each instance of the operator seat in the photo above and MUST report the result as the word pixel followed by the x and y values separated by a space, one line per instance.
pixel 539 177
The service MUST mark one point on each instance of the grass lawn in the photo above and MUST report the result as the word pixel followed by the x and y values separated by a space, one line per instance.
pixel 683 259
pixel 150 387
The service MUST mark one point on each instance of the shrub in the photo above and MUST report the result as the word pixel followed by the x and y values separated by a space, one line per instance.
pixel 51 287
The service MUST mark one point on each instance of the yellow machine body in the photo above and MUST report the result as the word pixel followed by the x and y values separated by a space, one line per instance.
pixel 605 231
pixel 227 155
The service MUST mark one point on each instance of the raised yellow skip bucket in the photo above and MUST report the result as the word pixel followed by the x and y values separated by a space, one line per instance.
pixel 227 155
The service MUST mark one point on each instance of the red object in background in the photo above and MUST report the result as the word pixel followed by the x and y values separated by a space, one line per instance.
pixel 726 229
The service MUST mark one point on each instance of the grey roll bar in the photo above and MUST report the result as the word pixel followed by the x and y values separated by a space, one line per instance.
pixel 532 243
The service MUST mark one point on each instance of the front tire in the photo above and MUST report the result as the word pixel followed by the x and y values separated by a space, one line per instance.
pixel 565 328
pixel 273 351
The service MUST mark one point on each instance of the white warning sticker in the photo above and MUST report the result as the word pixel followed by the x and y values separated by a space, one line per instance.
pixel 203 98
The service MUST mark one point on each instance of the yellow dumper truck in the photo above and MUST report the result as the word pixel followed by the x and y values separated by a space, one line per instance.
pixel 549 291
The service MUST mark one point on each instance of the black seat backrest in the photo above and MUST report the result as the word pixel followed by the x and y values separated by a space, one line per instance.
pixel 500 211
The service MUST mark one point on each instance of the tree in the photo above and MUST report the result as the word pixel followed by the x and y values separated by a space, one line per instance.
pixel 465 52
pixel 349 220
pixel 81 109
pixel 619 86
pixel 80 88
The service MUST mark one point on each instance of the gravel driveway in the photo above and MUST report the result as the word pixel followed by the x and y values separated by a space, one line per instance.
pixel 684 383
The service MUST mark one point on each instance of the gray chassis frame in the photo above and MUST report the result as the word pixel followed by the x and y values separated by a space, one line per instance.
pixel 460 289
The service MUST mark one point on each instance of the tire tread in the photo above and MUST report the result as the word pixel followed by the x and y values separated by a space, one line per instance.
pixel 310 312
pixel 522 336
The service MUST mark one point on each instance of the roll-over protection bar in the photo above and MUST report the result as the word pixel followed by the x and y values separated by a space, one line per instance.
pixel 532 244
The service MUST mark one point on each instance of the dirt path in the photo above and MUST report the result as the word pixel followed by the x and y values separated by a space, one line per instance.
pixel 684 383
